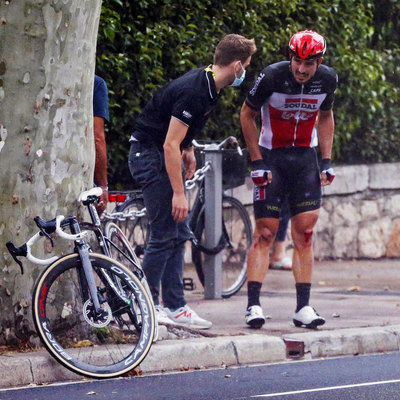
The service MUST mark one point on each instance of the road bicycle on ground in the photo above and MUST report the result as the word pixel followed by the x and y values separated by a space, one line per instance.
pixel 130 215
pixel 92 313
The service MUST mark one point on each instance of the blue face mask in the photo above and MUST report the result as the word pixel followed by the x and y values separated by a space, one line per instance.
pixel 238 81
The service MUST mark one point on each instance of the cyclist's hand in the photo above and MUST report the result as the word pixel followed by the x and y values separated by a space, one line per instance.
pixel 327 172
pixel 102 204
pixel 260 173
pixel 179 207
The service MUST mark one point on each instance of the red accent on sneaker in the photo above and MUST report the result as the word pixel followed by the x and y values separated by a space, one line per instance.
pixel 185 313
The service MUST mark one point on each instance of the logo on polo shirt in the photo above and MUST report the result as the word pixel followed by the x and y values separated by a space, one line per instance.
pixel 187 114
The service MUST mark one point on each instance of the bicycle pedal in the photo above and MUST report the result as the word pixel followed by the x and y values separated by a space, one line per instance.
pixel 188 284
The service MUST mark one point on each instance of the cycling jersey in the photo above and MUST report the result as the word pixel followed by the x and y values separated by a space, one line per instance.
pixel 289 109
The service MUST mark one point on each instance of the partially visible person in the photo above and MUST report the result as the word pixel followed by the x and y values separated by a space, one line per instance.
pixel 160 145
pixel 100 115
pixel 289 96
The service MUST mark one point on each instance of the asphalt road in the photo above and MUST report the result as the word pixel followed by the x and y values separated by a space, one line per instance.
pixel 372 377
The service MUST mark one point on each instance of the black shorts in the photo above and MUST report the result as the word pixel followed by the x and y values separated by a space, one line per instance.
pixel 295 177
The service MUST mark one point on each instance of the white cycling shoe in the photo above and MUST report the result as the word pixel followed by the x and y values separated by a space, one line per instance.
pixel 255 317
pixel 308 318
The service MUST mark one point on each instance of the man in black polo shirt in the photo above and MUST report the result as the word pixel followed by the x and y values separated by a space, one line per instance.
pixel 160 143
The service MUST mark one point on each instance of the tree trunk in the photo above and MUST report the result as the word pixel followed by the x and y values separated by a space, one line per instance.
pixel 47 59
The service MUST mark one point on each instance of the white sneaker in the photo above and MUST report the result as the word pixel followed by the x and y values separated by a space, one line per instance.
pixel 161 316
pixel 255 317
pixel 185 316
pixel 307 317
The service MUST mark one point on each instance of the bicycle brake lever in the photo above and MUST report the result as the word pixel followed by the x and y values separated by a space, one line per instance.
pixel 37 220
pixel 17 251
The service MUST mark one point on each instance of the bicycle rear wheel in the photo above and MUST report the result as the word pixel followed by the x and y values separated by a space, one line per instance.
pixel 119 246
pixel 102 346
pixel 121 250
pixel 237 230
pixel 136 229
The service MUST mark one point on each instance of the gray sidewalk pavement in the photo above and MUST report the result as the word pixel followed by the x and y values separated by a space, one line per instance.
pixel 360 301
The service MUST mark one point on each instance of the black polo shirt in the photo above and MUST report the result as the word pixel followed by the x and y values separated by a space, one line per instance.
pixel 189 98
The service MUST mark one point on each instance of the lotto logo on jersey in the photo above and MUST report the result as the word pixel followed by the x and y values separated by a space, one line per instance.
pixel 297 115
pixel 259 193
pixel 306 104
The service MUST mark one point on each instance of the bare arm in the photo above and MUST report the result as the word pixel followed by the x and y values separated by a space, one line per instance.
pixel 189 162
pixel 250 131
pixel 173 162
pixel 100 169
pixel 326 127
pixel 248 119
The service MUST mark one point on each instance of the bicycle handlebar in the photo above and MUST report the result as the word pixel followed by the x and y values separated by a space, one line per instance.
pixel 60 232
pixel 46 228
pixel 25 251
pixel 57 224
pixel 199 174
pixel 231 140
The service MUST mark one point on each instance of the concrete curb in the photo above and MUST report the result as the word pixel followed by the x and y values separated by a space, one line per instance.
pixel 174 355
pixel 349 341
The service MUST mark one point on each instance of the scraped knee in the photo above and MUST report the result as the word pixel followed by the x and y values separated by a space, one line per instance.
pixel 308 237
pixel 265 235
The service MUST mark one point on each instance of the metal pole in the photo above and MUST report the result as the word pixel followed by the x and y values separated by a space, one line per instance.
pixel 213 223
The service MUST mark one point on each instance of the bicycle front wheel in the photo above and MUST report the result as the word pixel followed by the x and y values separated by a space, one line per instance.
pixel 98 345
pixel 238 235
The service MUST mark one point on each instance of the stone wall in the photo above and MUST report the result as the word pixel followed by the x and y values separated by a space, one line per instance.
pixel 360 215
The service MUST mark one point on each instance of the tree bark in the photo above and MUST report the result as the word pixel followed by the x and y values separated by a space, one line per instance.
pixel 47 59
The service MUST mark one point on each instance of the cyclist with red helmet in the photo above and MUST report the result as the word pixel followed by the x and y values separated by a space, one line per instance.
pixel 293 98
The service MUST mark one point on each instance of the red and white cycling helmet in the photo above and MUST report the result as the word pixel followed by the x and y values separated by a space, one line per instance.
pixel 307 45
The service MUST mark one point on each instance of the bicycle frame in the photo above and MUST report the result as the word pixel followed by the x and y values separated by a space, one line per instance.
pixel 82 248
pixel 104 242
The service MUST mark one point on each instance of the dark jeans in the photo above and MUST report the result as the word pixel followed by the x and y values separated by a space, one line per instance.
pixel 163 258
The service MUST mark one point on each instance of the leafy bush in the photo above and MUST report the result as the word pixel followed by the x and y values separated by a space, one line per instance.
pixel 145 43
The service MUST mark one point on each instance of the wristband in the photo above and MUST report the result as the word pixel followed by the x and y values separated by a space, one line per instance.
pixel 325 164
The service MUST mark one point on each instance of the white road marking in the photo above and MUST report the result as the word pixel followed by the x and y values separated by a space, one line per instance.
pixel 327 388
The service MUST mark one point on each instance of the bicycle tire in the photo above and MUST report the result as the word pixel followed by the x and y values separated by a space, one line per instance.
pixel 78 341
pixel 236 225
pixel 136 229
pixel 122 250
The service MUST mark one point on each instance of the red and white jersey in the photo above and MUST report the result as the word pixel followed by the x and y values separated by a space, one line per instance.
pixel 289 109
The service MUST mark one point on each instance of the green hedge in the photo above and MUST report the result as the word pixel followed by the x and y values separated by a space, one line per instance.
pixel 143 44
